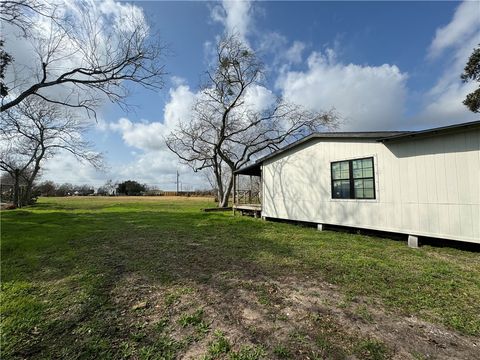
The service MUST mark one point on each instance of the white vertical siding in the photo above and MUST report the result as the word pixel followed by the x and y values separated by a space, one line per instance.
pixel 428 186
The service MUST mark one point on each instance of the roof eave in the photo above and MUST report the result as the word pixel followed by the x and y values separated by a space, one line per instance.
pixel 432 132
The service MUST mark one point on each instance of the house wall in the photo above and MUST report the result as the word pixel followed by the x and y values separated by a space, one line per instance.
pixel 428 186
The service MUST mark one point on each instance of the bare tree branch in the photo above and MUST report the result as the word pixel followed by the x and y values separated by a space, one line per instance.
pixel 35 131
pixel 226 132
pixel 19 12
pixel 90 57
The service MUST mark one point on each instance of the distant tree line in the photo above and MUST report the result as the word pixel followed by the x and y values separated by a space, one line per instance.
pixel 49 188
pixel 110 188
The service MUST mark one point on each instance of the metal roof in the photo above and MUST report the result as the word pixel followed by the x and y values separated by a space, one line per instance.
pixel 383 136
pixel 434 131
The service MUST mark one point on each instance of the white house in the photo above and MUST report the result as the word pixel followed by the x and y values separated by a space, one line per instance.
pixel 422 183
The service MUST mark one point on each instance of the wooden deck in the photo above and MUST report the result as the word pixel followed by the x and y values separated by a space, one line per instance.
pixel 249 209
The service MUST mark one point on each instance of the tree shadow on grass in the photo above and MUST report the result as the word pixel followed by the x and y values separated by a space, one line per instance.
pixel 76 261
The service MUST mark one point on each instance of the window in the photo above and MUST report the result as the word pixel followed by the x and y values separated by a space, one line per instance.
pixel 353 179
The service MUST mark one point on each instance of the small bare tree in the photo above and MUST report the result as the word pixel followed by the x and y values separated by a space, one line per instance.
pixel 35 131
pixel 82 56
pixel 226 132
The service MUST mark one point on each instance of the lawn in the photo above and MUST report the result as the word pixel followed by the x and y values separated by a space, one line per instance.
pixel 156 278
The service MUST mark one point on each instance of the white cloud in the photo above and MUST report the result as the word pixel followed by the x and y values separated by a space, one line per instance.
pixel 294 53
pixel 154 164
pixel 258 98
pixel 235 15
pixel 443 103
pixel 159 169
pixel 154 168
pixel 367 97
pixel 285 53
pixel 145 136
pixel 149 136
pixel 180 106
pixel 65 168
pixel 446 107
pixel 272 42
pixel 464 25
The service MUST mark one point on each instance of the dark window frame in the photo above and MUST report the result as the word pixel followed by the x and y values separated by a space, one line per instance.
pixel 351 179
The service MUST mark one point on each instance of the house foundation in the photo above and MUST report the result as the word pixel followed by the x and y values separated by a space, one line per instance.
pixel 413 241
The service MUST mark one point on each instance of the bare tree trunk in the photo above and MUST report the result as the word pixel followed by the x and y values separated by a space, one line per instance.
pixel 16 189
pixel 27 199
pixel 31 179
pixel 226 194
pixel 218 179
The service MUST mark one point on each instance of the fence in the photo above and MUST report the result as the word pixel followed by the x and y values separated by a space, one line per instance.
pixel 178 193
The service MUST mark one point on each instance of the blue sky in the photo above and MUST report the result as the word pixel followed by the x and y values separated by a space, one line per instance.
pixel 367 33
pixel 382 65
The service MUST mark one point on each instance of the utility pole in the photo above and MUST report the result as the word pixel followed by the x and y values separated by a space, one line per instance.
pixel 177 182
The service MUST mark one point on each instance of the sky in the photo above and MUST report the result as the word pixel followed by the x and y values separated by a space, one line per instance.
pixel 380 65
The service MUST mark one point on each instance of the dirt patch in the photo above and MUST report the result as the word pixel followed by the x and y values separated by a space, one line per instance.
pixel 286 318
pixel 405 336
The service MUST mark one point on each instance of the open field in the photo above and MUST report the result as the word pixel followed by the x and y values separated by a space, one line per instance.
pixel 156 278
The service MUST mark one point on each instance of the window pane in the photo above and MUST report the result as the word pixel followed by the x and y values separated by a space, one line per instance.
pixel 357 173
pixel 335 171
pixel 368 183
pixel 359 193
pixel 368 193
pixel 356 164
pixel 345 174
pixel 358 184
pixel 367 163
pixel 341 189
pixel 340 170
pixel 367 172
pixel 358 189
pixel 335 174
pixel 345 166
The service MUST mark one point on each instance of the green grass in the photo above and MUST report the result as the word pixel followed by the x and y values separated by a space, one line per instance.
pixel 72 267
pixel 193 319
pixel 220 345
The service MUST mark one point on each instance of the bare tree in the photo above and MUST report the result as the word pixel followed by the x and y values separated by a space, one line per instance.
pixel 20 13
pixel 82 56
pixel 227 131
pixel 35 131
